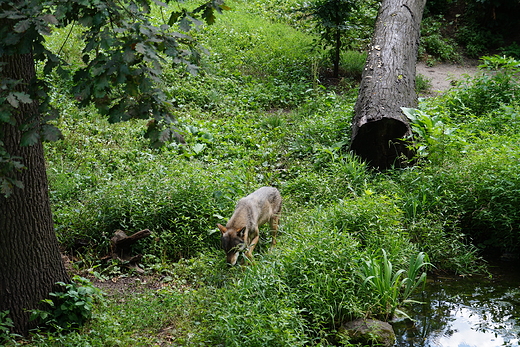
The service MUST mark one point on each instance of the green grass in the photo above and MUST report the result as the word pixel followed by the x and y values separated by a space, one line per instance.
pixel 257 117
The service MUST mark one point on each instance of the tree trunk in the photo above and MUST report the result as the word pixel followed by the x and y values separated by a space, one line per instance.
pixel 337 54
pixel 388 83
pixel 30 260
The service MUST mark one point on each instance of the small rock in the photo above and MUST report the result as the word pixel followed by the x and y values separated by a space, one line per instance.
pixel 368 331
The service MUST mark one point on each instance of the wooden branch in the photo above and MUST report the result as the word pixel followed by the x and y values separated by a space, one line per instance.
pixel 121 244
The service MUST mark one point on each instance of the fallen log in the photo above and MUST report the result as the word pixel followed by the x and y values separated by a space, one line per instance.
pixel 388 83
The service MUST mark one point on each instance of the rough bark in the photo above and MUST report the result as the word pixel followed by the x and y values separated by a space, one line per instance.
pixel 30 261
pixel 388 83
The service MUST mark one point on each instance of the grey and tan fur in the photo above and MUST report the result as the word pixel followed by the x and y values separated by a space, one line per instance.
pixel 241 232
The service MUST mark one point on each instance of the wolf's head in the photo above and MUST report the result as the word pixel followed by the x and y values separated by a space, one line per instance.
pixel 233 242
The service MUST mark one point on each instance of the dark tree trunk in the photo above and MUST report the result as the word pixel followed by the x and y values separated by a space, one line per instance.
pixel 388 83
pixel 337 53
pixel 30 260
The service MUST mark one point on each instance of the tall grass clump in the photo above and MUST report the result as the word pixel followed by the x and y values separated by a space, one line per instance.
pixel 352 64
pixel 393 288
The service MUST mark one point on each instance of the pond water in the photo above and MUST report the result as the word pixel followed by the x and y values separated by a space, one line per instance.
pixel 466 312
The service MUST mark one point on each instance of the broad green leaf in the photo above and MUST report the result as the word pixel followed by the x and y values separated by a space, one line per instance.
pixel 12 100
pixel 51 133
pixel 198 148
pixel 24 98
pixel 22 26
pixel 30 137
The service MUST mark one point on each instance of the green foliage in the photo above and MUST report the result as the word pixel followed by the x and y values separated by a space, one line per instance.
pixel 254 117
pixel 513 50
pixel 422 83
pixel 352 64
pixel 271 304
pixel 434 46
pixel 6 324
pixel 488 204
pixel 71 307
pixel 180 210
pixel 497 85
pixel 393 288
pixel 445 242
pixel 487 25
pixel 123 55
pixel 432 133
pixel 336 21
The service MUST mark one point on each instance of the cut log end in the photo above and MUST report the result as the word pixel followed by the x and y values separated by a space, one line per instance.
pixel 381 144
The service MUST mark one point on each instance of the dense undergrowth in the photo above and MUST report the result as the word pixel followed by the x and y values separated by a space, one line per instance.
pixel 258 114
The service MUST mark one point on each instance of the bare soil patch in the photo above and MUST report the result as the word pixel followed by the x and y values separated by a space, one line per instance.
pixel 443 76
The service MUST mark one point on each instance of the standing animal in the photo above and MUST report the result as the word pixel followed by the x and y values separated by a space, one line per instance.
pixel 241 233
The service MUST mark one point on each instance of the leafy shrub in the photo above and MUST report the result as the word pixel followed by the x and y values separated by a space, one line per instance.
pixel 290 296
pixel 71 307
pixel 490 202
pixel 422 83
pixel 6 324
pixel 477 40
pixel 513 50
pixel 434 44
pixel 177 208
pixel 445 242
pixel 486 92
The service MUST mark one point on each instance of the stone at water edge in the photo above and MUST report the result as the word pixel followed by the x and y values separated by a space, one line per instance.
pixel 368 331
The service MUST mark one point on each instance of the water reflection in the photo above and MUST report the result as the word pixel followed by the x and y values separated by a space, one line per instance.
pixel 470 312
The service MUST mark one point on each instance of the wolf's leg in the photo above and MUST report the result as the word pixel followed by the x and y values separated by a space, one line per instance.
pixel 252 245
pixel 273 224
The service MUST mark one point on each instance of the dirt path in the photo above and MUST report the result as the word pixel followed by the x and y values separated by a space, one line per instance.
pixel 442 76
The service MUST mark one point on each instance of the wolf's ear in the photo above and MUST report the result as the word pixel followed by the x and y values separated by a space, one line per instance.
pixel 241 232
pixel 222 228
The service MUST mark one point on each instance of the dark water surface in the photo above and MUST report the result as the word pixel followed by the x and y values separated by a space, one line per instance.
pixel 466 312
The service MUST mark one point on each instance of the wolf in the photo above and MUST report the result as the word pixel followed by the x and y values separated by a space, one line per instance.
pixel 241 233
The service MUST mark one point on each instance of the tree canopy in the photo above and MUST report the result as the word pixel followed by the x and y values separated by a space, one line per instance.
pixel 125 49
